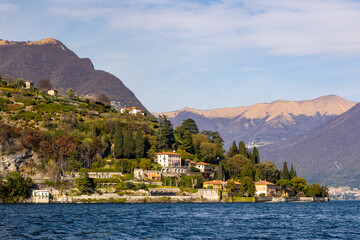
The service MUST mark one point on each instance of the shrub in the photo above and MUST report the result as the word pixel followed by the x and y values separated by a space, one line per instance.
pixel 262 195
pixel 129 185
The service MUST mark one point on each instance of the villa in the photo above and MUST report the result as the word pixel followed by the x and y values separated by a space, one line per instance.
pixel 203 167
pixel 268 188
pixel 168 159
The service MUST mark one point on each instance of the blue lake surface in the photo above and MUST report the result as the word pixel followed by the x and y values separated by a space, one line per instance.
pixel 333 220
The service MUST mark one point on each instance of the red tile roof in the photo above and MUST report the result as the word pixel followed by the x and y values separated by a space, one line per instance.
pixel 202 163
pixel 264 183
pixel 216 182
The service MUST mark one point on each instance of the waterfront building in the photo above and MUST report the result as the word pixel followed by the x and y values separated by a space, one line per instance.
pixel 41 196
pixel 268 188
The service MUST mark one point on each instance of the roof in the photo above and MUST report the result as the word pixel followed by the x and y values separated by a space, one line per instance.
pixel 202 163
pixel 190 161
pixel 264 183
pixel 168 153
pixel 236 182
pixel 216 182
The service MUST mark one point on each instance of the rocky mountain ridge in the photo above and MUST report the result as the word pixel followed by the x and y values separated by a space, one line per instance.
pixel 51 59
pixel 264 123
pixel 328 154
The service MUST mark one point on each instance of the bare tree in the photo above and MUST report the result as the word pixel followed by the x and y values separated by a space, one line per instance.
pixel 103 98
pixel 45 84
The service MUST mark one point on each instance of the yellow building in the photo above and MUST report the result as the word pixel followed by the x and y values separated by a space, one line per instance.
pixel 268 188
pixel 214 184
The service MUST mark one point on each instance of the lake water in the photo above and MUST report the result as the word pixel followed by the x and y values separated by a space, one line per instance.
pixel 333 220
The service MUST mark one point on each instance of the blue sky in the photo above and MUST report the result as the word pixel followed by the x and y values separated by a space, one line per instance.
pixel 205 54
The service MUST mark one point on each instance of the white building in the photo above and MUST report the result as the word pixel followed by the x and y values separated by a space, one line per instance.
pixel 168 159
pixel 203 167
pixel 132 111
pixel 41 196
pixel 268 188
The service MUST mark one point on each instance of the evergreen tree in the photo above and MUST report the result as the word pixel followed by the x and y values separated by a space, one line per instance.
pixel 285 172
pixel 292 172
pixel 165 135
pixel 129 145
pixel 187 143
pixel 147 146
pixel 242 149
pixel 139 145
pixel 255 155
pixel 187 125
pixel 118 143
pixel 233 150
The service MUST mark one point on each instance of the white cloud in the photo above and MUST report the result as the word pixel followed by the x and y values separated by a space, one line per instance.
pixel 282 27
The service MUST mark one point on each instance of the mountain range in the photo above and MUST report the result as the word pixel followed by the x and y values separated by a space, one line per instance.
pixel 264 123
pixel 51 59
pixel 328 154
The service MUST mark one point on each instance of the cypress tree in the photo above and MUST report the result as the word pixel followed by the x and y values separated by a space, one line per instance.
pixel 233 150
pixel 292 172
pixel 242 149
pixel 118 143
pixel 139 145
pixel 129 145
pixel 256 156
pixel 285 172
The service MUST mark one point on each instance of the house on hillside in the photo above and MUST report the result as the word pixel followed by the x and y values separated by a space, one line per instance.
pixel 214 184
pixel 132 111
pixel 268 188
pixel 147 175
pixel 29 85
pixel 168 159
pixel 203 167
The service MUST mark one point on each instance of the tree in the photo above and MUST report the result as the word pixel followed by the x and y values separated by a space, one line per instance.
pixel 214 137
pixel 197 139
pixel 314 190
pixel 187 125
pixel 233 150
pixel 249 171
pixel 71 93
pixel 139 144
pixel 299 184
pixel 165 134
pixel 129 145
pixel 103 98
pixel 20 83
pixel 84 183
pixel 292 172
pixel 282 183
pixel 255 158
pixel 269 171
pixel 16 188
pixel 243 150
pixel 248 186
pixel 187 143
pixel 45 84
pixel 118 143
pixel 211 152
pixel 285 172
pixel 230 185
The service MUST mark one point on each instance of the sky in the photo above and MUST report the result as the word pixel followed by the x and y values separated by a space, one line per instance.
pixel 205 54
